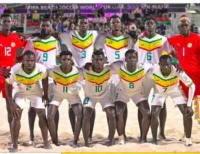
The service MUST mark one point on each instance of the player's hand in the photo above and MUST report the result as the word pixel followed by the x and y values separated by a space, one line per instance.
pixel 88 66
pixel 5 72
pixel 189 112
pixel 15 110
pixel 141 35
pixel 178 68
pixel 45 99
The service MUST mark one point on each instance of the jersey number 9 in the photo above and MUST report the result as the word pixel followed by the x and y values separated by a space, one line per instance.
pixel 45 56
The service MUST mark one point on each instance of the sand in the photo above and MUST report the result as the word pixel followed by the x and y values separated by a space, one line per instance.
pixel 174 131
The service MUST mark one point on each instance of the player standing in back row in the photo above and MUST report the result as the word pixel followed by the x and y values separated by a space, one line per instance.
pixel 81 44
pixel 46 49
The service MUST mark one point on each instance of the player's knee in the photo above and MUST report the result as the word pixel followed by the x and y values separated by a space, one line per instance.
pixel 86 115
pixel 119 113
pixel 79 116
pixel 154 115
pixel 111 114
pixel 146 114
pixel 50 118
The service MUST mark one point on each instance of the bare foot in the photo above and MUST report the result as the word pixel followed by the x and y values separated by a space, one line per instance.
pixel 75 145
pixel 47 146
pixel 154 141
pixel 143 140
pixel 162 137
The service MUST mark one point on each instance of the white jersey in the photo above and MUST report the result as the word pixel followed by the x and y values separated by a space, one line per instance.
pixel 81 48
pixel 130 83
pixel 114 47
pixel 97 84
pixel 150 50
pixel 66 83
pixel 167 84
pixel 27 83
pixel 45 50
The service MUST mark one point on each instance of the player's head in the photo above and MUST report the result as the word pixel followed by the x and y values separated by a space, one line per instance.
pixel 115 23
pixel 29 60
pixel 131 57
pixel 165 63
pixel 83 23
pixel 66 58
pixel 184 25
pixel 6 22
pixel 45 27
pixel 98 59
pixel 150 25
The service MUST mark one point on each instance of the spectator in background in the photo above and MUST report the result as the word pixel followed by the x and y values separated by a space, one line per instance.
pixel 103 21
pixel 125 17
pixel 65 24
pixel 163 28
pixel 96 19
pixel 72 26
pixel 132 15
pixel 47 15
pixel 77 15
pixel 59 26
pixel 36 16
pixel 29 16
pixel 138 12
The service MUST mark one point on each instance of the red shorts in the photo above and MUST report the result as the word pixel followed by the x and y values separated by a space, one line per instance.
pixel 2 87
pixel 196 80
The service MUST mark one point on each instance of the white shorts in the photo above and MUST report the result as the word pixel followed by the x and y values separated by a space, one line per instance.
pixel 148 84
pixel 136 98
pixel 72 99
pixel 35 101
pixel 176 95
pixel 105 102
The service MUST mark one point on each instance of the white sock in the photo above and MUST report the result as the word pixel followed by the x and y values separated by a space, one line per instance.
pixel 121 140
pixel 188 141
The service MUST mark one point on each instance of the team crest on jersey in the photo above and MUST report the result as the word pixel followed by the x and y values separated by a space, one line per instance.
pixel 13 44
pixel 189 45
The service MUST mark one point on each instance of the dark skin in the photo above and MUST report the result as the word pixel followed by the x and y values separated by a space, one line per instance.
pixel 45 33
pixel 4 72
pixel 143 106
pixel 28 67
pixel 150 27
pixel 98 62
pixel 116 27
pixel 184 28
pixel 83 28
pixel 66 67
pixel 187 112
pixel 6 23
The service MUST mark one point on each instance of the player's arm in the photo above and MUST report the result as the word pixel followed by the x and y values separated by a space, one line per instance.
pixel 5 72
pixel 189 83
pixel 115 67
pixel 8 87
pixel 100 42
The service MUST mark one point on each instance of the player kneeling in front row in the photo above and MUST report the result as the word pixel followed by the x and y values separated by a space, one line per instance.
pixel 97 89
pixel 130 87
pixel 66 77
pixel 166 80
pixel 27 76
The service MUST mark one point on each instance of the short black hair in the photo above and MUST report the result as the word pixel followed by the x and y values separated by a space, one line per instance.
pixel 131 51
pixel 28 53
pixel 65 53
pixel 149 18
pixel 114 17
pixel 82 16
pixel 6 15
pixel 45 20
pixel 165 57
pixel 98 52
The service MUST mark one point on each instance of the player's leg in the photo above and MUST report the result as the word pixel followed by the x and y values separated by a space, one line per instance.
pixel 78 111
pixel 162 118
pixel 110 112
pixel 92 124
pixel 31 120
pixel 15 128
pixel 88 109
pixel 125 116
pixel 140 117
pixel 43 126
pixel 120 108
pixel 72 118
pixel 9 115
pixel 155 111
pixel 57 116
pixel 87 113
pixel 145 111
pixel 52 109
